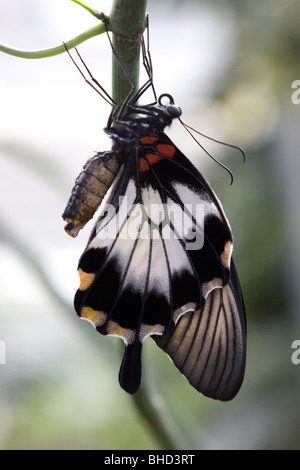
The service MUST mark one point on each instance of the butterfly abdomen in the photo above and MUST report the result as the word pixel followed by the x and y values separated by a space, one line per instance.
pixel 89 189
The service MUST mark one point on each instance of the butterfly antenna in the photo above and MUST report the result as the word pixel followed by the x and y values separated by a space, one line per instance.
pixel 187 128
pixel 240 149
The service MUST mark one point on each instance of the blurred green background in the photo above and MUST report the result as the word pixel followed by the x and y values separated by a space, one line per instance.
pixel 230 65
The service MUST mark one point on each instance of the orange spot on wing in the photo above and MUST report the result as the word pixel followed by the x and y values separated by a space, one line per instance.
pixel 148 139
pixel 149 160
pixel 166 149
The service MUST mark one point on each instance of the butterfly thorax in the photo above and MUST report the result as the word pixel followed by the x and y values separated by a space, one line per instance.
pixel 141 121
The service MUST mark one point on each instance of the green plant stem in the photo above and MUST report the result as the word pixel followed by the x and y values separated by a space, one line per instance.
pixel 127 23
pixel 156 417
pixel 91 10
pixel 39 54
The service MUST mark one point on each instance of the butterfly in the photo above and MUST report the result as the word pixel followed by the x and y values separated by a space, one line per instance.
pixel 159 259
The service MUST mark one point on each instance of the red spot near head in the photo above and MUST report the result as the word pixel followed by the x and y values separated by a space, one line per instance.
pixel 166 149
pixel 148 139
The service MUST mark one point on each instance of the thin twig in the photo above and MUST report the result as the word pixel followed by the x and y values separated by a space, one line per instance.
pixel 52 51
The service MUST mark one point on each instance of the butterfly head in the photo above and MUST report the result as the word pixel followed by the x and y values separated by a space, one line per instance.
pixel 170 109
pixel 145 120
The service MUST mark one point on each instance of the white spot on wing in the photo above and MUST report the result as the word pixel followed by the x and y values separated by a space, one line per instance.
pixel 188 196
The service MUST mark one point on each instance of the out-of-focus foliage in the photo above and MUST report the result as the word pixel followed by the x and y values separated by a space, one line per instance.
pixel 230 64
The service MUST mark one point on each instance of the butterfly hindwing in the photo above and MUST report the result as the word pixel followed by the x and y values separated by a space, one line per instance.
pixel 208 345
pixel 153 261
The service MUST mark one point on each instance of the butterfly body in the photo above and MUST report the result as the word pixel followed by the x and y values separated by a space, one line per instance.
pixel 158 262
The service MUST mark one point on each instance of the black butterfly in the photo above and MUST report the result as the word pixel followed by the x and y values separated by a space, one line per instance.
pixel 159 260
